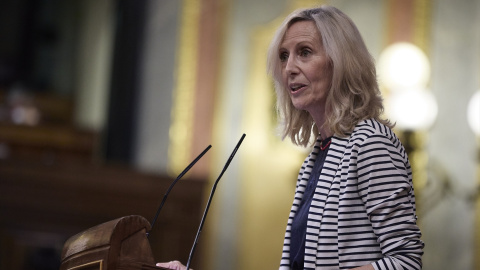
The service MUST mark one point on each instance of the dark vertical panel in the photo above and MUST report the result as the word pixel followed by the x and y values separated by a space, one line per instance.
pixel 120 131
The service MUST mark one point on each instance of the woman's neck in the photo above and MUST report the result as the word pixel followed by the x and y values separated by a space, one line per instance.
pixel 319 117
pixel 324 131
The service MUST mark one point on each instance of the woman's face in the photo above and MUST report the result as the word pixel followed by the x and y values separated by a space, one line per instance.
pixel 306 72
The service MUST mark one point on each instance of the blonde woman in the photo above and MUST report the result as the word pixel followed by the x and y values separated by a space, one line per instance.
pixel 354 205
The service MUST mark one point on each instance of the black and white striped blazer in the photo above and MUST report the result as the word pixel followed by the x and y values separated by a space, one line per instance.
pixel 363 208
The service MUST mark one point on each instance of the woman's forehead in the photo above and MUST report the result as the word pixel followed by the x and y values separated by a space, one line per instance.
pixel 300 31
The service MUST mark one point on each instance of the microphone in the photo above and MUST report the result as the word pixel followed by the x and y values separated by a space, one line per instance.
pixel 210 199
pixel 173 183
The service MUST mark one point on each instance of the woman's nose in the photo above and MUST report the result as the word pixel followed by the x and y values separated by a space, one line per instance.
pixel 291 66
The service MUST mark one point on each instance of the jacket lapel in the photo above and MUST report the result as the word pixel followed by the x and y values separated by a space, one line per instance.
pixel 331 169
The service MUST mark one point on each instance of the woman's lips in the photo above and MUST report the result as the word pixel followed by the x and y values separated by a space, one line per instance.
pixel 296 87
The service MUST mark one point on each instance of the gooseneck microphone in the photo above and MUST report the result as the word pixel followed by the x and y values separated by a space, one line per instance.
pixel 173 184
pixel 210 200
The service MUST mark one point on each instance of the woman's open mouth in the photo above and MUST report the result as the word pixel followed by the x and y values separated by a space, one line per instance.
pixel 295 87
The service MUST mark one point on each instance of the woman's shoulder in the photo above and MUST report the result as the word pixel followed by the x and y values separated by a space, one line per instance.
pixel 368 132
pixel 372 130
pixel 373 127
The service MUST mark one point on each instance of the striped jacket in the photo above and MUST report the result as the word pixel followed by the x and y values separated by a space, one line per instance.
pixel 363 208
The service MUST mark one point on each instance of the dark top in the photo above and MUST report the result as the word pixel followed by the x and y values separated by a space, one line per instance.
pixel 299 225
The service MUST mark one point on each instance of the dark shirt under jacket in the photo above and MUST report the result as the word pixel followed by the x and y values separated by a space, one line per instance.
pixel 299 225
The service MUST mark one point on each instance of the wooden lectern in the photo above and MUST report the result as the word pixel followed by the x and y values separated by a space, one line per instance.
pixel 118 244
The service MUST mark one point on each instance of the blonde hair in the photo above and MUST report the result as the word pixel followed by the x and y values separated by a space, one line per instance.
pixel 354 94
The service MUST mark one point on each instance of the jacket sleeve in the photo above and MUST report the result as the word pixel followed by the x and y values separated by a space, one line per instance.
pixel 385 186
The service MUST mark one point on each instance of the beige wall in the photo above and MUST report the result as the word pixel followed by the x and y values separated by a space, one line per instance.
pixel 448 225
pixel 95 47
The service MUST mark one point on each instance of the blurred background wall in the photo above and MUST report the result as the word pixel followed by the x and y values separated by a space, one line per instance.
pixel 106 101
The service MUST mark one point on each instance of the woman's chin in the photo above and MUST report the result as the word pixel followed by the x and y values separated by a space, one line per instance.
pixel 300 105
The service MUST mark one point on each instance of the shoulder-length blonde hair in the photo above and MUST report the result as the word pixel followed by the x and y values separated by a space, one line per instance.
pixel 354 94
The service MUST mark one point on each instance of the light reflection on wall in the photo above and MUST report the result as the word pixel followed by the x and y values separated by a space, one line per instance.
pixel 403 65
pixel 404 70
pixel 473 117
pixel 473 113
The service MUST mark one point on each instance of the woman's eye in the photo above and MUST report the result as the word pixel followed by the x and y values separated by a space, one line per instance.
pixel 305 52
pixel 283 57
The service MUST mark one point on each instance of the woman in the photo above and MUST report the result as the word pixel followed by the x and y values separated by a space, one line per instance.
pixel 354 205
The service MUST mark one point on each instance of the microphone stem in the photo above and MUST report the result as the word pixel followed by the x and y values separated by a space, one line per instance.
pixel 173 184
pixel 210 200
pixel 201 225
